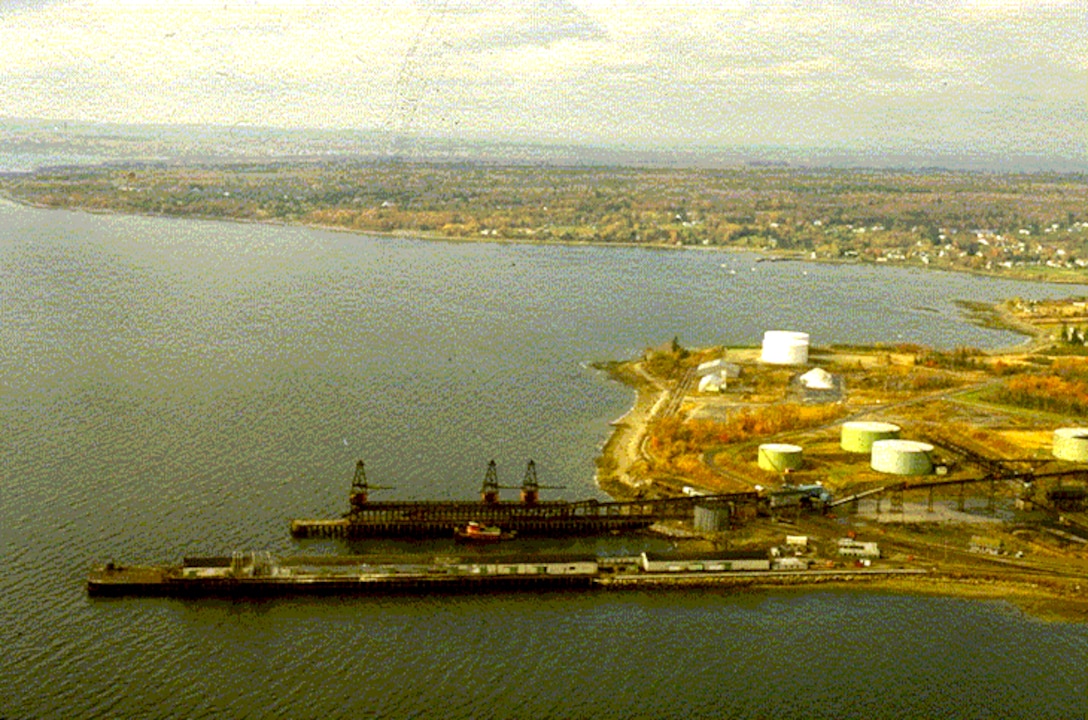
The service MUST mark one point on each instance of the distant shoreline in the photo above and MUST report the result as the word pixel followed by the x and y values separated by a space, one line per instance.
pixel 763 254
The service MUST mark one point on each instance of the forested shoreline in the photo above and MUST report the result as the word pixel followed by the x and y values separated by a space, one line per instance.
pixel 1032 226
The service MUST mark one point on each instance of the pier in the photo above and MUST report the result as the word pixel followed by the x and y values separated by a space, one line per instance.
pixel 441 518
pixel 527 517
pixel 259 575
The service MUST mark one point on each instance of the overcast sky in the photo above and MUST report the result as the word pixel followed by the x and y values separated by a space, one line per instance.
pixel 992 76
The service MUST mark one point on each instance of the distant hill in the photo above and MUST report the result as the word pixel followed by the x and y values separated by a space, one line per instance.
pixel 29 144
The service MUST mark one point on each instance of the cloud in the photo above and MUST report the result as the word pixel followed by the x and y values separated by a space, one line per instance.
pixel 782 71
pixel 538 23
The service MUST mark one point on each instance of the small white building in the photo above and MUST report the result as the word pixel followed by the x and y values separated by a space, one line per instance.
pixel 790 563
pixel 719 367
pixel 818 379
pixel 719 562
pixel 712 383
pixel 986 545
pixel 849 547
pixel 516 565
pixel 797 541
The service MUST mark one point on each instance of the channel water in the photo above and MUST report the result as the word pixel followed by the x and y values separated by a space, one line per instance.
pixel 177 387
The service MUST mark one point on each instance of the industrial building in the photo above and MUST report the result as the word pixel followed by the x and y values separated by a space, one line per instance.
pixel 817 379
pixel 789 563
pixel 849 547
pixel 717 562
pixel 720 367
pixel 528 565
pixel 713 383
pixel 818 386
pixel 813 496
pixel 714 375
pixel 986 545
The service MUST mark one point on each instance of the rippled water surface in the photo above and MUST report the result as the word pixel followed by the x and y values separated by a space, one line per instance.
pixel 173 387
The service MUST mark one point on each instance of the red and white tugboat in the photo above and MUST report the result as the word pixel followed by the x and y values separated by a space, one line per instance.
pixel 474 532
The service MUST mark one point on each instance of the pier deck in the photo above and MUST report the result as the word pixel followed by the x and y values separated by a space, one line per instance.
pixel 257 575
pixel 441 518
pixel 347 576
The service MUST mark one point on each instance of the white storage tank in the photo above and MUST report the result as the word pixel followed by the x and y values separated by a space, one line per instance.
pixel 858 436
pixel 779 457
pixel 785 347
pixel 902 457
pixel 1071 444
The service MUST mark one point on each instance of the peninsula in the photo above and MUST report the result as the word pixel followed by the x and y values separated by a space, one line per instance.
pixel 998 510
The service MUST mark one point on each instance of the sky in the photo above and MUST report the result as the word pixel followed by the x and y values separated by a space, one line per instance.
pixel 881 76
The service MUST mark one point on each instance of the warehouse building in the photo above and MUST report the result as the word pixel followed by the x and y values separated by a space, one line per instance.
pixel 714 562
pixel 848 547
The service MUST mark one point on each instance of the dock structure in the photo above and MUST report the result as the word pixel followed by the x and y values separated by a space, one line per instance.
pixel 260 575
pixel 527 517
pixel 441 518
pixel 1024 480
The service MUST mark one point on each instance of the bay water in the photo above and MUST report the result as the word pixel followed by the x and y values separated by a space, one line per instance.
pixel 176 387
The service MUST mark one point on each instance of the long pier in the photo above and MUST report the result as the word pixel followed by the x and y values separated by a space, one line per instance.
pixel 530 516
pixel 258 574
pixel 441 518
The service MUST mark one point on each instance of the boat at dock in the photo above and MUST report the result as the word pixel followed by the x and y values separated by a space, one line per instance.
pixel 474 532
pixel 530 516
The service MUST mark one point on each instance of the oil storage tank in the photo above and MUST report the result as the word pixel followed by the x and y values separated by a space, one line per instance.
pixel 859 436
pixel 902 457
pixel 1071 444
pixel 785 347
pixel 779 457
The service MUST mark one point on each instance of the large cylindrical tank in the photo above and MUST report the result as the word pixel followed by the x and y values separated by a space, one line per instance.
pixel 785 347
pixel 1071 444
pixel 859 436
pixel 779 457
pixel 711 518
pixel 902 457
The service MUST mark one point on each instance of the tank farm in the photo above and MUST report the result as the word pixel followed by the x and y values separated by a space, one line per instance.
pixel 529 516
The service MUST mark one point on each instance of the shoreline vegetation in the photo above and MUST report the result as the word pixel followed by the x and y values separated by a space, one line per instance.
pixel 1018 226
pixel 675 439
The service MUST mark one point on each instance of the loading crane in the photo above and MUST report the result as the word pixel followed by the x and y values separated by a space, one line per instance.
pixel 360 488
pixel 530 486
